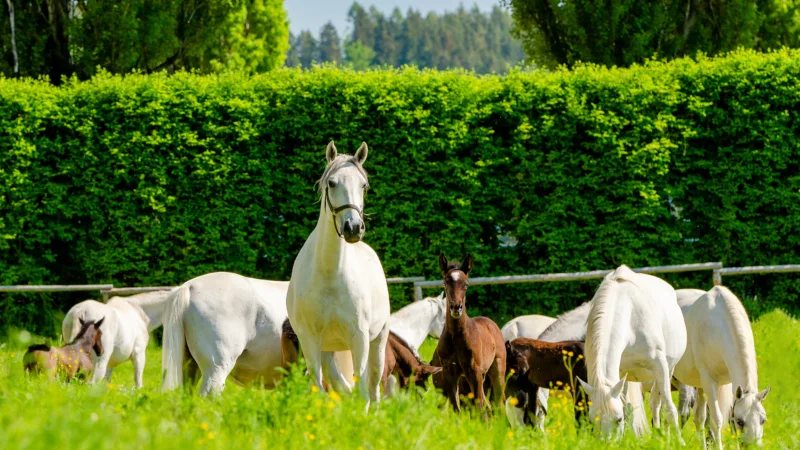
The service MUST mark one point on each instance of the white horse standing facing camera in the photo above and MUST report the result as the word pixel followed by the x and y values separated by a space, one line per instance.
pixel 636 328
pixel 338 298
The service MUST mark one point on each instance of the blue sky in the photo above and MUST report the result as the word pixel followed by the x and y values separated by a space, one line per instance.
pixel 312 14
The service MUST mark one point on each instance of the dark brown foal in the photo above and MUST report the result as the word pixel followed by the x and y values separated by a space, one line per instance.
pixel 404 363
pixel 469 348
pixel 545 364
pixel 73 359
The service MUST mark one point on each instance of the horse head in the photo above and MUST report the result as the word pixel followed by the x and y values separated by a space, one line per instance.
pixel 343 186
pixel 749 415
pixel 456 282
pixel 606 406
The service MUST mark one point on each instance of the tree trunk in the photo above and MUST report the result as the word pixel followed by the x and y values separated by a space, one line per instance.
pixel 13 36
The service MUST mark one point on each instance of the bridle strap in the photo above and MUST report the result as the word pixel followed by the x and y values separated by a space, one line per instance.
pixel 335 211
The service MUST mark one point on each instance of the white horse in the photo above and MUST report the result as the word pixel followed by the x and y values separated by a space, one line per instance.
pixel 128 321
pixel 571 326
pixel 635 327
pixel 530 326
pixel 231 326
pixel 721 350
pixel 338 298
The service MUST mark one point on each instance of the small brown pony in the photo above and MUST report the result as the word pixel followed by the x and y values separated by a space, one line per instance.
pixel 469 348
pixel 401 360
pixel 544 364
pixel 73 360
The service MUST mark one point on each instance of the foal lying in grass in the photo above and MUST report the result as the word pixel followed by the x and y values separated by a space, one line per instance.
pixel 73 360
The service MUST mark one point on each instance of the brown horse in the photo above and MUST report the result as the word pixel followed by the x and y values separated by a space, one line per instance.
pixel 469 348
pixel 545 364
pixel 401 360
pixel 73 359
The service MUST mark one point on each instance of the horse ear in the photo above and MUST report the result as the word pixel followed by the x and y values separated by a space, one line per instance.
pixel 763 394
pixel 586 387
pixel 617 389
pixel 330 152
pixel 99 322
pixel 429 370
pixel 739 393
pixel 443 264
pixel 466 266
pixel 361 153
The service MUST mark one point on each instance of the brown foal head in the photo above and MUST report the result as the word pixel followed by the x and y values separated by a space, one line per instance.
pixel 517 358
pixel 89 337
pixel 456 281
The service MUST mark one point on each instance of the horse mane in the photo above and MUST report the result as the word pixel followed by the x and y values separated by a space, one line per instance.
pixel 38 347
pixel 333 166
pixel 406 345
pixel 599 324
pixel 82 331
pixel 579 314
pixel 146 298
pixel 739 323
pixel 453 265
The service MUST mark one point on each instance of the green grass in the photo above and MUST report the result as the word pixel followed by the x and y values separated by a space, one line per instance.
pixel 36 413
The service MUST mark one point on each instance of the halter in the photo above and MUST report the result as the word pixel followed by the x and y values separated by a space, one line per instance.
pixel 335 211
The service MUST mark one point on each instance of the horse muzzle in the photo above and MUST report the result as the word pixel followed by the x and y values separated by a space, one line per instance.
pixel 456 311
pixel 353 230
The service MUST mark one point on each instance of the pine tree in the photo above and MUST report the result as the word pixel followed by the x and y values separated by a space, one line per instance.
pixel 330 46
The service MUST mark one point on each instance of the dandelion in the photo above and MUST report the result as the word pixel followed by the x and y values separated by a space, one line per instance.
pixel 563 352
pixel 567 388
pixel 309 418
pixel 580 356
pixel 360 448
pixel 589 403
pixel 314 389
pixel 311 436
pixel 511 372
pixel 510 434
pixel 335 396
pixel 558 383
pixel 355 379
pixel 204 426
pixel 282 431
pixel 470 395
pixel 513 401
pixel 80 350
pixel 12 355
pixel 570 354
pixel 210 435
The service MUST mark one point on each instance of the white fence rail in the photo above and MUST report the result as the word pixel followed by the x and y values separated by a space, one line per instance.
pixel 750 270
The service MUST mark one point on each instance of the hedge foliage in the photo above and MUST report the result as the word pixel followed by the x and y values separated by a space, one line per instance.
pixel 155 179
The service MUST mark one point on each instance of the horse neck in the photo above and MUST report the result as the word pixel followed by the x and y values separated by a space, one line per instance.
pixel 744 368
pixel 329 249
pixel 570 326
pixel 603 354
pixel 457 326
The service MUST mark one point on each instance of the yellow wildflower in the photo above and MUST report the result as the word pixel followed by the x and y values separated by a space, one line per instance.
pixel 211 435
pixel 311 436
pixel 510 434
pixel 314 389
pixel 570 354
pixel 204 426
pixel 513 401
pixel 282 431
pixel 470 395
pixel 589 403
pixel 318 403
pixel 335 396
pixel 201 441
pixel 558 383
pixel 512 371
pixel 309 418
pixel 80 350
pixel 563 352
pixel 355 379
pixel 567 387
pixel 580 356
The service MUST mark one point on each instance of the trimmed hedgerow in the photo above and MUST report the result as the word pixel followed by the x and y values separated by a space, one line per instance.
pixel 154 179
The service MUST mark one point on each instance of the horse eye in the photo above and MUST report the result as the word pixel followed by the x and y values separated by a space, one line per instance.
pixel 331 184
pixel 740 422
pixel 763 420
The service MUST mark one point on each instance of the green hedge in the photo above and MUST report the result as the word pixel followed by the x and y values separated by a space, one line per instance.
pixel 152 180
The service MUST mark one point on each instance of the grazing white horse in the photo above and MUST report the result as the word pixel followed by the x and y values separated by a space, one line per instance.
pixel 530 327
pixel 571 326
pixel 721 350
pixel 128 321
pixel 635 327
pixel 231 326
pixel 338 298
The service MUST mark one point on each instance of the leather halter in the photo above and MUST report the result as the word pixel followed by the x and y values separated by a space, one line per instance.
pixel 335 211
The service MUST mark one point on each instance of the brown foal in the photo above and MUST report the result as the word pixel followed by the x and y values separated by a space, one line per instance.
pixel 469 348
pixel 73 359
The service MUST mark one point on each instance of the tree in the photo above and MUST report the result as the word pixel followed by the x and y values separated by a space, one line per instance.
pixel 307 50
pixel 359 56
pixel 623 32
pixel 330 46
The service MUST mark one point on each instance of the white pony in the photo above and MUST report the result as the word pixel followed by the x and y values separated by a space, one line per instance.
pixel 721 350
pixel 530 327
pixel 338 298
pixel 128 321
pixel 571 326
pixel 635 327
pixel 231 326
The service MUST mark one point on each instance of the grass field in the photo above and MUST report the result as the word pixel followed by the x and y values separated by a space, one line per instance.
pixel 36 413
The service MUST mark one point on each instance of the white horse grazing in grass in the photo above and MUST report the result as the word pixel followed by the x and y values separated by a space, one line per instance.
pixel 338 298
pixel 571 326
pixel 128 321
pixel 530 327
pixel 231 326
pixel 721 350
pixel 635 327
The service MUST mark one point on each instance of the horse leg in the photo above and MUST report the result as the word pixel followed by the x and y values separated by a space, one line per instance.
pixel 710 389
pixel 542 395
pixel 497 377
pixel 331 373
pixel 359 347
pixel 376 361
pixel 214 378
pixel 138 367
pixel 655 405
pixel 663 377
pixel 100 367
pixel 109 371
pixel 192 370
pixel 700 414
pixel 312 352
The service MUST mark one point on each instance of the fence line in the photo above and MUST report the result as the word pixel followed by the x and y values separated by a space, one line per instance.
pixel 748 270
pixel 57 288
pixel 573 276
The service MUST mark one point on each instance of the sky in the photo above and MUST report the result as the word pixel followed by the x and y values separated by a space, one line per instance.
pixel 313 14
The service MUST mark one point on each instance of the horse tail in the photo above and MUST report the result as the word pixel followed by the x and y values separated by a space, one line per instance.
pixel 174 342
pixel 290 345
pixel 638 413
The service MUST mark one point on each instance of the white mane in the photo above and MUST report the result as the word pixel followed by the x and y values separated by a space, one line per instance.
pixel 739 324
pixel 570 326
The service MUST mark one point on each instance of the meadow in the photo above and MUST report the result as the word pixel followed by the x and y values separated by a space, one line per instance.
pixel 36 413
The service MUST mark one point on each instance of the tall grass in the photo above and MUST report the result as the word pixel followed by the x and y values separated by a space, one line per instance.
pixel 36 413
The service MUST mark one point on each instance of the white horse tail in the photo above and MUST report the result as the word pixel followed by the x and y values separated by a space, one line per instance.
pixel 638 413
pixel 174 341
pixel 725 400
